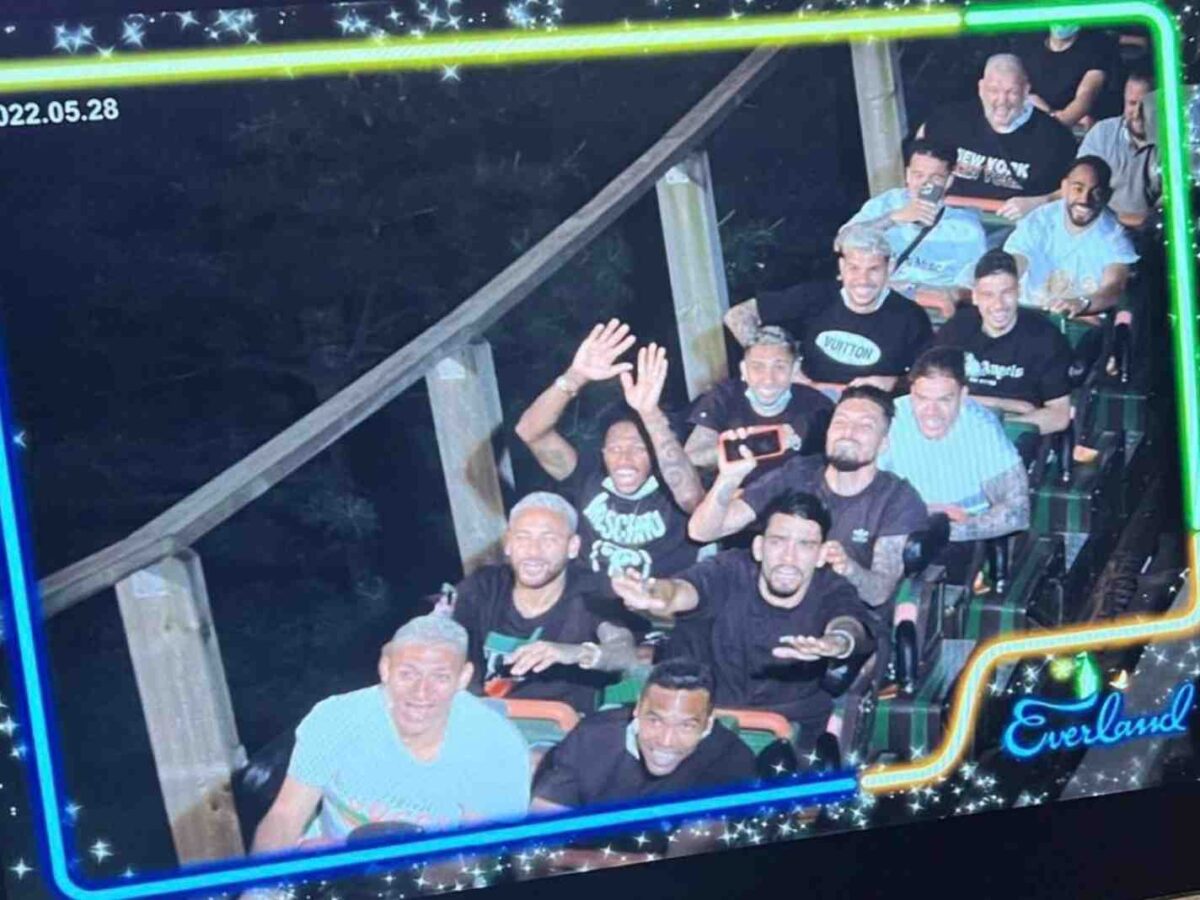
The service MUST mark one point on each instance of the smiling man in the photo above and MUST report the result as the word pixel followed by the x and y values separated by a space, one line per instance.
pixel 540 626
pixel 767 619
pixel 1129 148
pixel 629 517
pixel 1073 254
pixel 1016 360
pixel 415 749
pixel 668 744
pixel 765 395
pixel 1008 150
pixel 863 333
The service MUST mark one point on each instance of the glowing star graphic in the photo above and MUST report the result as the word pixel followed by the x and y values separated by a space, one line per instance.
pixel 72 811
pixel 133 34
pixel 353 23
pixel 186 19
pixel 20 869
pixel 20 439
pixel 8 726
pixel 450 73
pixel 100 850
pixel 1062 668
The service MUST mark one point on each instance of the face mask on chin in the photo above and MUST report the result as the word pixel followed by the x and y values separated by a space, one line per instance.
pixel 1063 32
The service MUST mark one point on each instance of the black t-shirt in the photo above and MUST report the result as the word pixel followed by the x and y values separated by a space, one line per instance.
pixel 1029 363
pixel 1055 77
pixel 839 345
pixel 593 765
pixel 495 627
pixel 1027 162
pixel 726 406
pixel 646 531
pixel 889 505
pixel 742 629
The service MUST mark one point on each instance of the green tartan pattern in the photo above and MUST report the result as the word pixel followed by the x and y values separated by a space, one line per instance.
pixel 1079 507
pixel 1015 430
pixel 991 615
pixel 1117 409
pixel 916 721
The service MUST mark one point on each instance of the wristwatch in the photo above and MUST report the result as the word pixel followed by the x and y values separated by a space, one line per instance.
pixel 589 656
pixel 565 386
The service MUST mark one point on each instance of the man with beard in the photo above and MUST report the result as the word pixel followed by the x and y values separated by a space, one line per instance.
pixel 768 619
pixel 669 744
pixel 765 395
pixel 1130 151
pixel 957 456
pixel 415 749
pixel 863 333
pixel 628 517
pixel 540 626
pixel 1073 254
pixel 1008 150
pixel 872 512
pixel 1016 360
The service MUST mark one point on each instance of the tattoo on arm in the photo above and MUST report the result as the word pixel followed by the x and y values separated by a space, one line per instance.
pixel 536 429
pixel 876 584
pixel 701 447
pixel 618 652
pixel 743 320
pixel 719 513
pixel 1008 494
pixel 677 470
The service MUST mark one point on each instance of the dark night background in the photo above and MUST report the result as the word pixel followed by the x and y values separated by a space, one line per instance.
pixel 180 285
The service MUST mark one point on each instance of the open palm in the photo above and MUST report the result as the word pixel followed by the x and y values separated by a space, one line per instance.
pixel 596 358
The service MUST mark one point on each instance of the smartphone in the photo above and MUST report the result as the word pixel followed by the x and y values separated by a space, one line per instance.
pixel 763 441
pixel 932 192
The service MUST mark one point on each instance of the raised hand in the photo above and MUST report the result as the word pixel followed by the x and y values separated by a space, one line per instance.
pixel 638 593
pixel 644 394
pixel 833 554
pixel 596 358
pixel 736 469
pixel 806 648
pixel 541 655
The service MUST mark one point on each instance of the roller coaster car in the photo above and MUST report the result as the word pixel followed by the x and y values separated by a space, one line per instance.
pixel 768 735
pixel 543 723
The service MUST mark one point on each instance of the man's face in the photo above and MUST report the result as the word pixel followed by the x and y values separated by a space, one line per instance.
pixel 1134 120
pixel 922 170
pixel 1003 94
pixel 538 544
pixel 1083 196
pixel 996 298
pixel 671 725
pixel 864 276
pixel 936 400
pixel 767 371
pixel 626 457
pixel 420 681
pixel 787 552
pixel 856 435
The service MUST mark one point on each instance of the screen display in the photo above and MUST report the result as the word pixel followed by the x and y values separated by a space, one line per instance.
pixel 372 504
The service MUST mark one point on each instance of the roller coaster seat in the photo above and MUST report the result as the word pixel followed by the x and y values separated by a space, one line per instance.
pixel 543 723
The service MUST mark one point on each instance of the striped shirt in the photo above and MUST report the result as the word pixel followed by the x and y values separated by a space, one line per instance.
pixel 953 470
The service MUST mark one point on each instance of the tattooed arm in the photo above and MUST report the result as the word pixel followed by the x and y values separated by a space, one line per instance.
pixel 617 649
pixel 701 447
pixel 876 584
pixel 643 395
pixel 595 360
pixel 1008 494
pixel 743 320
pixel 722 512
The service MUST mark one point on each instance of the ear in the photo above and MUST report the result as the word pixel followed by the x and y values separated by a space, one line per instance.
pixel 573 547
pixel 708 727
pixel 756 546
pixel 742 370
pixel 464 677
pixel 507 546
pixel 883 446
pixel 385 667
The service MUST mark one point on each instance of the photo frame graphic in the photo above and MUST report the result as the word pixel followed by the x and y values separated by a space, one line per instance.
pixel 22 601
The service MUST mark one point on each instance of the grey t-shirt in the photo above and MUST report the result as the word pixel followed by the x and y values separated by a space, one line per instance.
pixel 1134 187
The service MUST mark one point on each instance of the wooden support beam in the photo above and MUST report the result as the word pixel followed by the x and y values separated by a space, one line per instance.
pixel 252 476
pixel 181 680
pixel 466 416
pixel 881 112
pixel 697 269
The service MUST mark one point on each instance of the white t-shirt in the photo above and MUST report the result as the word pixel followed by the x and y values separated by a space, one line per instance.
pixel 950 471
pixel 1065 264
pixel 947 255
pixel 348 747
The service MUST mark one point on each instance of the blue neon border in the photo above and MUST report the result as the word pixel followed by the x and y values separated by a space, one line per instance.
pixel 32 679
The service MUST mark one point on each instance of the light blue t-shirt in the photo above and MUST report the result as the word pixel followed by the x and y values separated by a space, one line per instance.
pixel 948 254
pixel 348 747
pixel 1063 264
pixel 953 470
